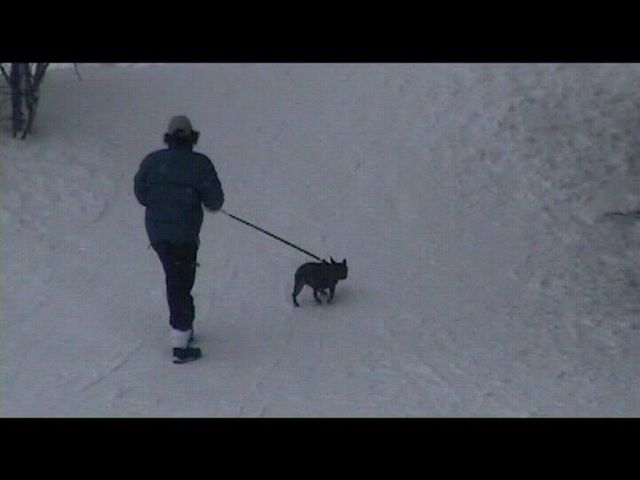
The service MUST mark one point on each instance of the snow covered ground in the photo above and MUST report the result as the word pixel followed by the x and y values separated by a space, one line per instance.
pixel 467 199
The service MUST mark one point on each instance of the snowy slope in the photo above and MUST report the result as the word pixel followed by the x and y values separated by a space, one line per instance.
pixel 468 200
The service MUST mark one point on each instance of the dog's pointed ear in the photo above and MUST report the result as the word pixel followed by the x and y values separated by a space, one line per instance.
pixel 344 261
pixel 332 260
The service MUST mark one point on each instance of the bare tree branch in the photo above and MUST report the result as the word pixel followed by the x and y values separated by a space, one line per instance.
pixel 75 68
pixel 29 98
pixel 41 69
pixel 5 74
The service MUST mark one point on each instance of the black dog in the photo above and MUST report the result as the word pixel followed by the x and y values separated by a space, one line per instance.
pixel 319 276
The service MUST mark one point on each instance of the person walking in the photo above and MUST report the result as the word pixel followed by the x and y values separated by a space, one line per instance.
pixel 173 184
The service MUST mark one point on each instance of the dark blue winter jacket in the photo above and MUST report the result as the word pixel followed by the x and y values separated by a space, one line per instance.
pixel 173 184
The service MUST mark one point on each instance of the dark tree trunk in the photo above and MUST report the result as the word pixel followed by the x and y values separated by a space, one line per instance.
pixel 24 82
pixel 33 81
pixel 15 82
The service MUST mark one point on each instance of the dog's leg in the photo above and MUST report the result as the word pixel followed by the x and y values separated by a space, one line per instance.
pixel 315 295
pixel 296 292
pixel 332 291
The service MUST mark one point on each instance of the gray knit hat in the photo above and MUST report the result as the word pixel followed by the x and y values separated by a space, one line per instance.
pixel 180 122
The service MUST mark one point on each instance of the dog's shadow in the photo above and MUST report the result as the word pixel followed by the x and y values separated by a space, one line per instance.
pixel 345 296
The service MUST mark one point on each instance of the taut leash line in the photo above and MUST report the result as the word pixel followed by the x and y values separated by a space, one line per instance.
pixel 270 234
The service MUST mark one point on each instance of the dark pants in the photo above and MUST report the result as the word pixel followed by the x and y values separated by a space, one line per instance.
pixel 179 262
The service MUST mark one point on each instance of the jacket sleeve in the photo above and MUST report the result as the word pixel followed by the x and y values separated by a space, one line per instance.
pixel 209 187
pixel 140 186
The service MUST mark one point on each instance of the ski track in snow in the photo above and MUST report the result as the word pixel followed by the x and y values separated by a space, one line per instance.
pixel 112 367
pixel 254 394
pixel 468 200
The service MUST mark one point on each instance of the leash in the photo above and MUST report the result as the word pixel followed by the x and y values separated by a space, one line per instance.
pixel 270 234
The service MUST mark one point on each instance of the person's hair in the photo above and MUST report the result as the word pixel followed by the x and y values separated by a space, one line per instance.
pixel 180 139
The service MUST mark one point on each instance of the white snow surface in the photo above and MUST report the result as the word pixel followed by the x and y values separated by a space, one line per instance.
pixel 467 199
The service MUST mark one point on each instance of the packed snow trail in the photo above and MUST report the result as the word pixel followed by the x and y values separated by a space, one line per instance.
pixel 466 199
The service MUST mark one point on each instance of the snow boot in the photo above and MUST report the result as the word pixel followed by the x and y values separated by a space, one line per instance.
pixel 182 350
pixel 184 355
